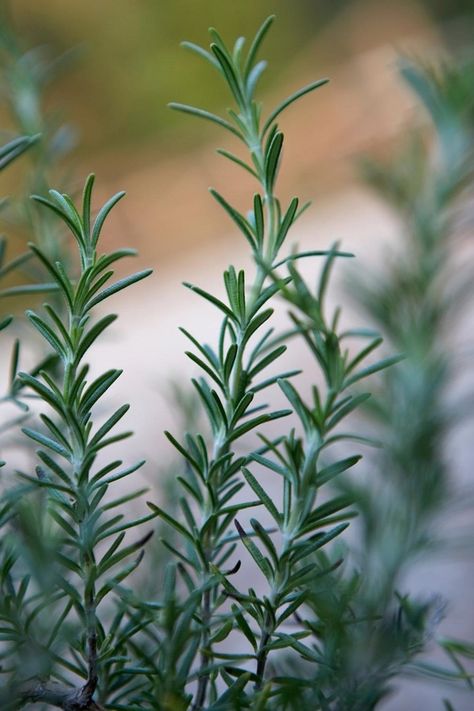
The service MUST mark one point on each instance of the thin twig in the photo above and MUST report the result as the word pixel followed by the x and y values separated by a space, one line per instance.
pixel 54 694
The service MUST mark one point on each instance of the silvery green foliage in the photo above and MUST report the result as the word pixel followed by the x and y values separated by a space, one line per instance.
pixel 419 296
pixel 73 635
pixel 64 548
pixel 415 300
pixel 14 394
pixel 233 381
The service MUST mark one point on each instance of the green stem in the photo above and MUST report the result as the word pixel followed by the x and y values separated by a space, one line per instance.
pixel 218 450
pixel 237 386
pixel 79 448
pixel 262 656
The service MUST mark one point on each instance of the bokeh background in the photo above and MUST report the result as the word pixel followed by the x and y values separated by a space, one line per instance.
pixel 121 64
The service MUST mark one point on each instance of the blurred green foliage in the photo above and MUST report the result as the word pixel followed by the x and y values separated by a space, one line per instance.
pixel 416 300
pixel 132 64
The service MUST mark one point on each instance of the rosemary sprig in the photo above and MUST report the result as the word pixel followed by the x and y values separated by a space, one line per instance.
pixel 83 573
pixel 231 379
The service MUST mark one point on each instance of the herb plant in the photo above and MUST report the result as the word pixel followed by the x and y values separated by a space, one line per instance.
pixel 233 378
pixel 416 301
pixel 74 633
pixel 38 605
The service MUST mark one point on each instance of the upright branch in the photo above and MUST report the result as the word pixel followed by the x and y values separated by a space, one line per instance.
pixel 69 446
pixel 232 378
pixel 415 300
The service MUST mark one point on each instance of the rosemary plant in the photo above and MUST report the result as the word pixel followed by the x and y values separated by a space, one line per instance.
pixel 417 297
pixel 196 637
pixel 82 543
pixel 234 374
pixel 404 504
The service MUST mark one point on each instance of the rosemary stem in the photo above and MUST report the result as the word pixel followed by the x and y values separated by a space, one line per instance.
pixel 203 678
pixel 218 449
pixel 262 653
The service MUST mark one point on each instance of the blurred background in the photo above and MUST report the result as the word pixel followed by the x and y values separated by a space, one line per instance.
pixel 121 64
pixel 98 82
pixel 98 78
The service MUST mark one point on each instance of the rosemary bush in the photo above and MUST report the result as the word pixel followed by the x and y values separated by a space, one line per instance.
pixel 73 520
pixel 416 301
pixel 245 348
pixel 74 634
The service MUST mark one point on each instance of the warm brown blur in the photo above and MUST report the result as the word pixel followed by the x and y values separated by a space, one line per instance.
pixel 128 66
